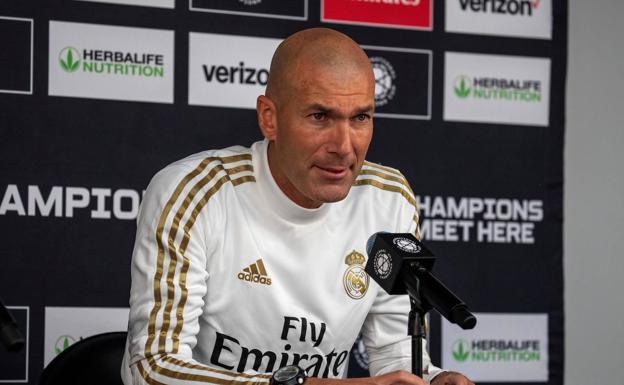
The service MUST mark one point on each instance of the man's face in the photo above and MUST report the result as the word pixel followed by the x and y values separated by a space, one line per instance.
pixel 323 128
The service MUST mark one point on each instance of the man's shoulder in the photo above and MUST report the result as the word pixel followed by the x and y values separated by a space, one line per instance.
pixel 385 181
pixel 230 161
pixel 221 156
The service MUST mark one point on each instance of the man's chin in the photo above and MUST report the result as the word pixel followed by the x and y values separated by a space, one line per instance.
pixel 332 195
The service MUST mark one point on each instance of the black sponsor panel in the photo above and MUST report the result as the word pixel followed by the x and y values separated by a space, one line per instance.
pixel 15 54
pixel 277 8
pixel 14 365
pixel 71 168
pixel 403 82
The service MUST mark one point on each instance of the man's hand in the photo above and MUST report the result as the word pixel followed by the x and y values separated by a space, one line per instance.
pixel 399 377
pixel 451 378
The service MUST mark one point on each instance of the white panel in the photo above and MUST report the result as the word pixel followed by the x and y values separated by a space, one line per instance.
pixel 501 348
pixel 517 18
pixel 67 325
pixel 496 89
pixel 228 71
pixel 109 62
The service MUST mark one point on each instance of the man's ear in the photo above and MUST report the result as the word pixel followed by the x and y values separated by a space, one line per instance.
pixel 267 117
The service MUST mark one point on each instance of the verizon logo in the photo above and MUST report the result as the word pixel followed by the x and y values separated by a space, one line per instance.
pixel 505 7
pixel 240 74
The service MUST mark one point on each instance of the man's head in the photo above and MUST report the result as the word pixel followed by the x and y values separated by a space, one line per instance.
pixel 317 115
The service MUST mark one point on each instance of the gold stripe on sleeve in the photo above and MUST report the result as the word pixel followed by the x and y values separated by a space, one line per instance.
pixel 383 168
pixel 417 229
pixel 386 187
pixel 210 369
pixel 392 178
pixel 146 376
pixel 183 245
pixel 194 377
pixel 171 247
pixel 203 378
pixel 160 253
pixel 160 256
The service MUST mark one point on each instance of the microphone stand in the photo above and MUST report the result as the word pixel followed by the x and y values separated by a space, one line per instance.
pixel 416 323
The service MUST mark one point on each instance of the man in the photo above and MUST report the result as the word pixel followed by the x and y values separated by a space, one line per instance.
pixel 250 260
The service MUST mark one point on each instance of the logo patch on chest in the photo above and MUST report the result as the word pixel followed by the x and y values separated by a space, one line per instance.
pixel 256 272
pixel 355 279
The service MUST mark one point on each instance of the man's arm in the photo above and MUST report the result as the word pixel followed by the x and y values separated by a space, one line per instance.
pixel 385 328
pixel 169 280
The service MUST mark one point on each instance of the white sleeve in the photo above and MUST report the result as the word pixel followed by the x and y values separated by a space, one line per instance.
pixel 385 329
pixel 169 283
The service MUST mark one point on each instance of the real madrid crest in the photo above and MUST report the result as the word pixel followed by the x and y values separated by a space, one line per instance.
pixel 355 279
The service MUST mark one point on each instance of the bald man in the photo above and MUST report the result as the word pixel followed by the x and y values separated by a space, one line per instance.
pixel 248 265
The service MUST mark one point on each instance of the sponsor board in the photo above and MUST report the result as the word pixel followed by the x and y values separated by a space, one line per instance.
pixel 228 71
pixel 70 201
pixel 110 62
pixel 501 348
pixel 16 61
pixel 482 220
pixel 516 18
pixel 402 81
pixel 277 9
pixel 411 14
pixel 66 325
pixel 14 366
pixel 496 89
pixel 144 3
pixel 223 76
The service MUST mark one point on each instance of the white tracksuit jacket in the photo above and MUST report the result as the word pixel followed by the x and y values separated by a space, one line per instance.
pixel 232 280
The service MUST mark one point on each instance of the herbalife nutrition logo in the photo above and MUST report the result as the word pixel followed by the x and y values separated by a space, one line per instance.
pixel 462 86
pixel 460 351
pixel 485 88
pixel 69 58
pixel 62 343
pixel 111 62
pixel 496 350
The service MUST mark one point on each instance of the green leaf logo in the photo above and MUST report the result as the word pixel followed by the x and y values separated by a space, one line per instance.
pixel 460 351
pixel 462 86
pixel 62 343
pixel 69 59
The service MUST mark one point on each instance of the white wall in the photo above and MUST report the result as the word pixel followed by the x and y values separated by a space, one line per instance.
pixel 594 194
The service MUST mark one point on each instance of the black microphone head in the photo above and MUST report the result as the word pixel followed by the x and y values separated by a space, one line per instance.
pixel 371 242
pixel 388 252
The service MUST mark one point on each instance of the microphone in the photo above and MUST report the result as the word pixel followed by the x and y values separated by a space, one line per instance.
pixel 401 264
pixel 9 333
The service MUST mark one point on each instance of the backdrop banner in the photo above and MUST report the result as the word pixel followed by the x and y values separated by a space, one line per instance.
pixel 96 96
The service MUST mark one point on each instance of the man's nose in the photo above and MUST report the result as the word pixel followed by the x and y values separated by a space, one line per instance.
pixel 340 141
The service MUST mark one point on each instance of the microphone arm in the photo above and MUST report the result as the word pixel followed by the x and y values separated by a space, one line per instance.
pixel 10 335
pixel 428 292
pixel 401 264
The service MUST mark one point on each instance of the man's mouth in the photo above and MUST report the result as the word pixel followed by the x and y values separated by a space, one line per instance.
pixel 333 172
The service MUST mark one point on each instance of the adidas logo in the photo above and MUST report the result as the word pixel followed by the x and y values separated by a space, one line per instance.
pixel 256 272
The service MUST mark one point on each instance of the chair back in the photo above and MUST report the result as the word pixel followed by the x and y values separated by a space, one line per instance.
pixel 95 361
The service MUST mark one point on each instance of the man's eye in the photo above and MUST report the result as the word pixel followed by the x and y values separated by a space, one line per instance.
pixel 318 116
pixel 362 118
